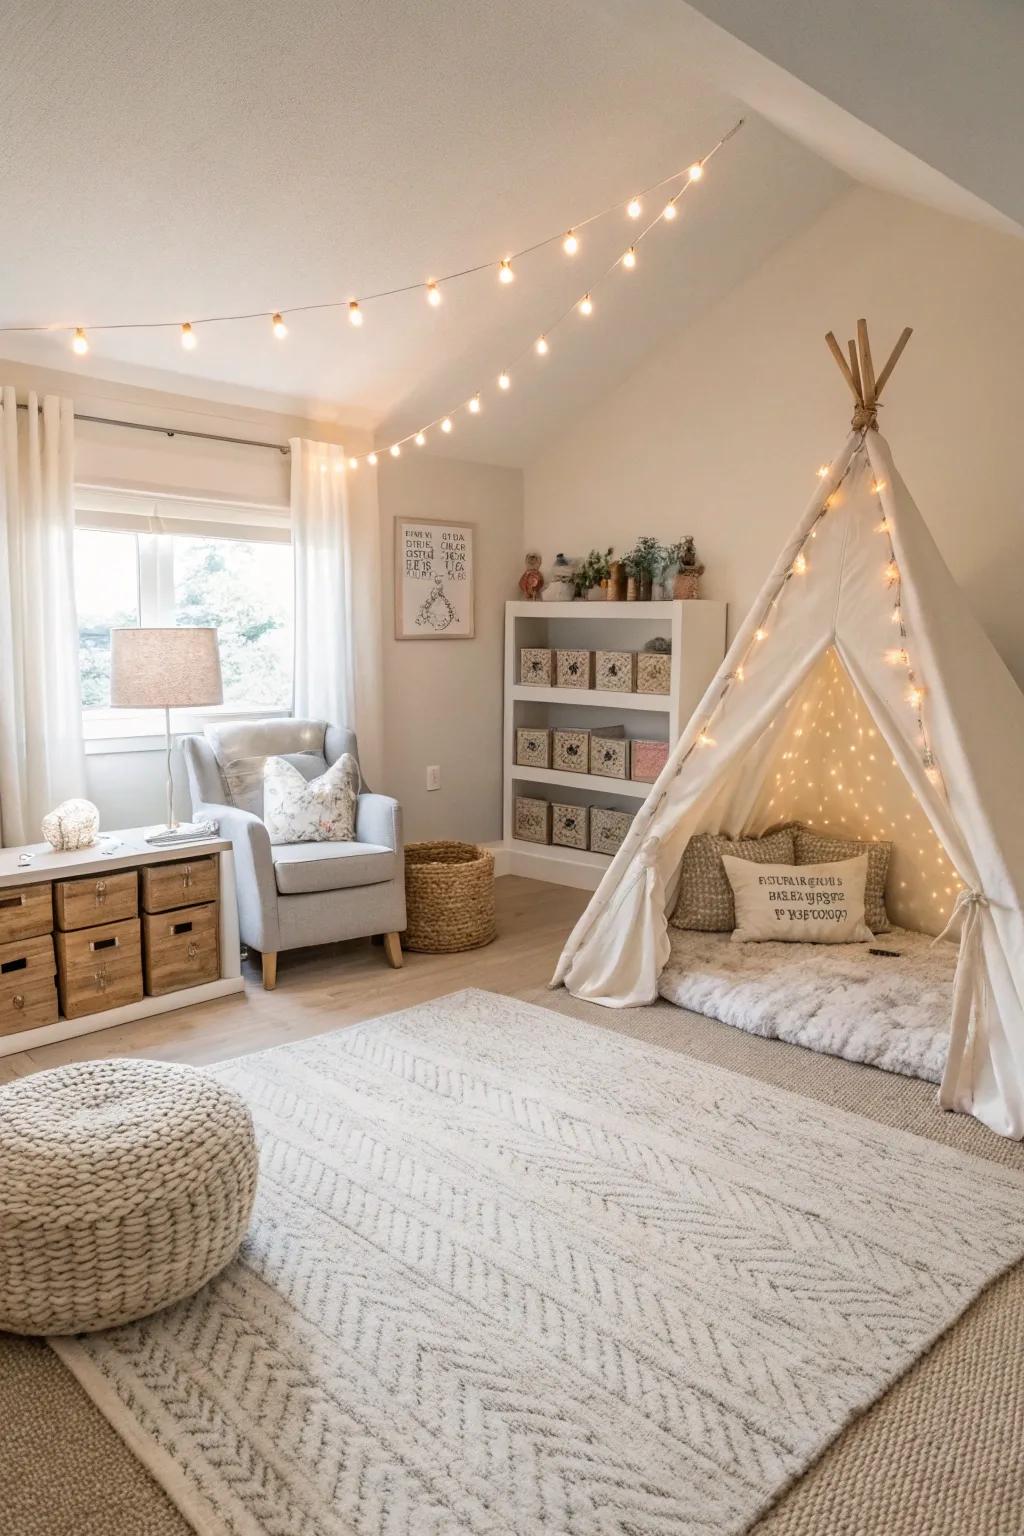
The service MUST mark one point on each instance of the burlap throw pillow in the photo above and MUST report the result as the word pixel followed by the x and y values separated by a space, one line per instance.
pixel 705 895
pixel 799 903
pixel 815 848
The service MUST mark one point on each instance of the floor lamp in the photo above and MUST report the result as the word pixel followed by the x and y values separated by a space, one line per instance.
pixel 165 669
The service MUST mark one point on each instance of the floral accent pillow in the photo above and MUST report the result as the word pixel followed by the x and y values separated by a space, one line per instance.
pixel 321 810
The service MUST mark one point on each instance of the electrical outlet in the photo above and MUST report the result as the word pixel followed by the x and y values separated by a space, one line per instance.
pixel 434 777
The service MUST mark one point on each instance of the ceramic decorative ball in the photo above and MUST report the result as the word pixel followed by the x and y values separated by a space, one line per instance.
pixel 72 824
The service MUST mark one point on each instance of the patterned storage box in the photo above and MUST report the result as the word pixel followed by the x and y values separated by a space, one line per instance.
pixel 533 746
pixel 532 822
pixel 653 672
pixel 572 669
pixel 609 753
pixel 608 828
pixel 569 825
pixel 570 750
pixel 615 671
pixel 647 759
pixel 536 668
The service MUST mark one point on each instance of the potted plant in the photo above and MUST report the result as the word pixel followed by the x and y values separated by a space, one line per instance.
pixel 592 574
pixel 683 556
pixel 644 563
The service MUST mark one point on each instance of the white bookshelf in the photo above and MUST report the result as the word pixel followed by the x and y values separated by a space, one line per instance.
pixel 697 632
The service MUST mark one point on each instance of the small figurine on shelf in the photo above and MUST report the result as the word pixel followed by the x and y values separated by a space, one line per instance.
pixel 531 582
pixel 559 587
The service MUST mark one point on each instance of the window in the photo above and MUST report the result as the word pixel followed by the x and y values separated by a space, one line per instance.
pixel 154 562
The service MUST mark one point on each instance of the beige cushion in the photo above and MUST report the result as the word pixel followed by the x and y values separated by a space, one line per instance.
pixel 303 867
pixel 817 848
pixel 705 895
pixel 799 903
pixel 301 810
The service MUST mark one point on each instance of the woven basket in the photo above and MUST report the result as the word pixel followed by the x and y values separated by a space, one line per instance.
pixel 449 893
pixel 124 1186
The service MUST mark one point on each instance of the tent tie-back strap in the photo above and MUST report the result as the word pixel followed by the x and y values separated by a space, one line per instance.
pixel 968 985
pixel 966 899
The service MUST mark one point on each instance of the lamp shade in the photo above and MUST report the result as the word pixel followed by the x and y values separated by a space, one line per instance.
pixel 164 668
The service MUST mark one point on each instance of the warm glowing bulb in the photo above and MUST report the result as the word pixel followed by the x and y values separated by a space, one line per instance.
pixel 634 207
pixel 897 615
pixel 474 406
pixel 571 244
pixel 800 564
pixel 420 439
pixel 395 450
pixel 877 486
pixel 80 342
pixel 433 294
pixel 353 463
pixel 696 171
pixel 188 337
pixel 505 273
pixel 740 674
pixel 278 326
pixel 892 574
pixel 586 305
pixel 760 634
pixel 915 696
pixel 541 347
pixel 371 459
pixel 504 382
pixel 629 260
pixel 446 425
pixel 704 740
pixel 669 211
pixel 355 314
pixel 897 658
pixel 822 471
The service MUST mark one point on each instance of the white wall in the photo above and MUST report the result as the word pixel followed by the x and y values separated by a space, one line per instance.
pixel 441 700
pixel 444 697
pixel 719 433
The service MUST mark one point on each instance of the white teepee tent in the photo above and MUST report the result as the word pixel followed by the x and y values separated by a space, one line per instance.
pixel 862 578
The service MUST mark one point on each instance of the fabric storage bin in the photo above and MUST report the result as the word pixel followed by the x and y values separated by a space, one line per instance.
pixel 653 672
pixel 572 669
pixel 532 821
pixel 93 899
pixel 647 759
pixel 99 968
pixel 569 825
pixel 533 746
pixel 608 828
pixel 609 753
pixel 536 668
pixel 28 984
pixel 615 671
pixel 180 949
pixel 25 911
pixel 570 750
pixel 184 884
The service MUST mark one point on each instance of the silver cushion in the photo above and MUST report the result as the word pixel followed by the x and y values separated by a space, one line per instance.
pixel 300 868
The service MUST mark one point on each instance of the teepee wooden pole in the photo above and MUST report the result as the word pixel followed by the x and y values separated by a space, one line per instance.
pixel 844 367
pixel 855 367
pixel 894 357
pixel 867 369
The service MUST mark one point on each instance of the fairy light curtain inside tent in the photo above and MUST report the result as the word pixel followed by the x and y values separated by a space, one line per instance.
pixel 860 577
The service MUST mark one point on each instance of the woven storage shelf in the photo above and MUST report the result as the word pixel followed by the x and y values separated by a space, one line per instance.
pixel 449 892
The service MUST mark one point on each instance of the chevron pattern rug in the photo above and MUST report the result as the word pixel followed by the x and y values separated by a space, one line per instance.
pixel 513 1275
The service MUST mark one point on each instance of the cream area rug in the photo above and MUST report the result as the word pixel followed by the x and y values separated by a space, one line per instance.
pixel 890 1011
pixel 512 1275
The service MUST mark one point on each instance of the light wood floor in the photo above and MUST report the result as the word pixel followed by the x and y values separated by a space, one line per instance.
pixel 320 989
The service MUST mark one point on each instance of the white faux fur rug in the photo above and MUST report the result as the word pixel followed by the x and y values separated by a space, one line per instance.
pixel 834 998
pixel 512 1275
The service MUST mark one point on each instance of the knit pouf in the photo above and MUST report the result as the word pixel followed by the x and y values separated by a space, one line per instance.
pixel 124 1186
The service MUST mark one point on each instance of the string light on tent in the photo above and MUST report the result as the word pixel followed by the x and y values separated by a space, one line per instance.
pixel 800 564
pixel 571 244
pixel 446 424
pixel 586 305
pixel 353 462
pixel 696 171
pixel 79 342
pixel 395 450
pixel 705 739
pixel 189 339
pixel 629 259
pixel 670 211
pixel 634 208
pixel 420 439
pixel 473 405
pixel 433 295
pixel 355 314
pixel 505 273
pixel 541 347
pixel 278 326
pixel 504 381
pixel 822 471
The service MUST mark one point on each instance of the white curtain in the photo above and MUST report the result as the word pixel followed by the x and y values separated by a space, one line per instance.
pixel 337 600
pixel 42 759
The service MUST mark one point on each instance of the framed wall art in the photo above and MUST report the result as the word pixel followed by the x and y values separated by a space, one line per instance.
pixel 433 580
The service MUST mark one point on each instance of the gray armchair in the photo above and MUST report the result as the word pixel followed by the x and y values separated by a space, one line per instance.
pixel 295 894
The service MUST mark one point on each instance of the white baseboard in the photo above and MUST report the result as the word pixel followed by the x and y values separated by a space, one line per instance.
pixel 559 866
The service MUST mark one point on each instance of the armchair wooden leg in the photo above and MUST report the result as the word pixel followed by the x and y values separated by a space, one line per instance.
pixel 269 972
pixel 393 950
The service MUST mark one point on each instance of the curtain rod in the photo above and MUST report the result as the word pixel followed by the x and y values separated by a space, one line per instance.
pixel 209 437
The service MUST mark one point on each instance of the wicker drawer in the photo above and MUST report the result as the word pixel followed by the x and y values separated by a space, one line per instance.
pixel 25 911
pixel 99 968
pixel 28 990
pixel 96 899
pixel 180 949
pixel 166 887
